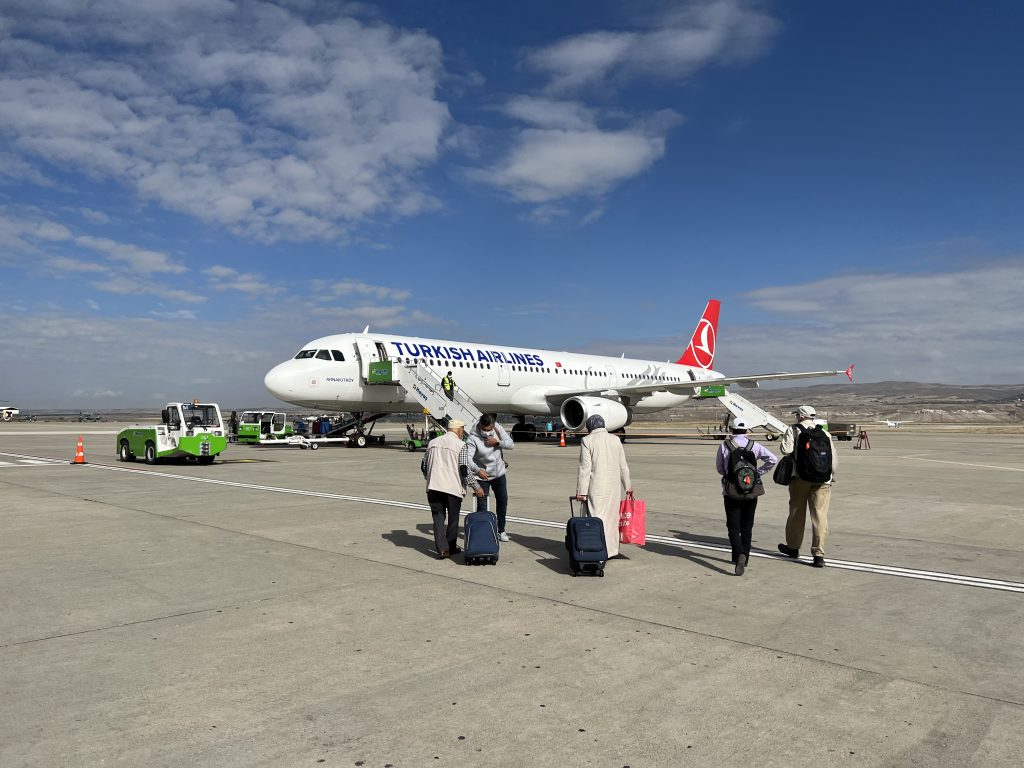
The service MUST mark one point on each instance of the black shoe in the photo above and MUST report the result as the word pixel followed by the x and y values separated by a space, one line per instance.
pixel 741 564
pixel 819 562
pixel 794 553
pixel 455 550
pixel 442 555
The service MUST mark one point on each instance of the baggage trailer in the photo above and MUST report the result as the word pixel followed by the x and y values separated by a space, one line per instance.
pixel 304 442
pixel 187 431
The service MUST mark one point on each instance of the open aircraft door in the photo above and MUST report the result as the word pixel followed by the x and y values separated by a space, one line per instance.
pixel 369 352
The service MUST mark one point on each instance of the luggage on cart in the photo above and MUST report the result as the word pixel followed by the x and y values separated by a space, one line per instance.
pixel 584 538
pixel 481 532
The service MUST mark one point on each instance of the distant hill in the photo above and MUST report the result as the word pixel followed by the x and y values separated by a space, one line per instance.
pixel 921 403
pixel 893 390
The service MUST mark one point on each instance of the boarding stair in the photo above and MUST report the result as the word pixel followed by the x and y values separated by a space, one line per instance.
pixel 752 414
pixel 425 385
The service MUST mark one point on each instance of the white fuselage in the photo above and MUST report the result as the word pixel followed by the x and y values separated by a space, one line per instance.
pixel 497 379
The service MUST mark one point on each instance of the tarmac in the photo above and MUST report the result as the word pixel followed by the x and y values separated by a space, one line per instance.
pixel 283 607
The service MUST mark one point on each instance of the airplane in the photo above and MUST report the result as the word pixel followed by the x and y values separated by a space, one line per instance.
pixel 8 412
pixel 336 373
pixel 892 424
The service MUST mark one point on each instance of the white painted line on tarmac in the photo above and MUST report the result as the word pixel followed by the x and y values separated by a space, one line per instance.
pixel 965 464
pixel 21 433
pixel 848 565
pixel 28 461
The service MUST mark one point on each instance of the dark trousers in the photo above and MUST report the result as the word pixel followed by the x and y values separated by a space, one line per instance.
pixel 739 519
pixel 500 496
pixel 442 505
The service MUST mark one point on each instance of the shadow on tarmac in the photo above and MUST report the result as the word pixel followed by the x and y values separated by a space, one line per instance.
pixel 702 560
pixel 401 538
pixel 551 554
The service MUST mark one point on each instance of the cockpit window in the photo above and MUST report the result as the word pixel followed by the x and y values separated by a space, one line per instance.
pixel 306 354
pixel 338 356
pixel 323 354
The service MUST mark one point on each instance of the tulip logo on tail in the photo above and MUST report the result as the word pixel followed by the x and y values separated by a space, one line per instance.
pixel 700 352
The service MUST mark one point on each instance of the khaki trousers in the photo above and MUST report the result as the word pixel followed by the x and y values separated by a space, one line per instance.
pixel 815 497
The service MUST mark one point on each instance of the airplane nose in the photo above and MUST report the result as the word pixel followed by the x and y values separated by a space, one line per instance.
pixel 278 381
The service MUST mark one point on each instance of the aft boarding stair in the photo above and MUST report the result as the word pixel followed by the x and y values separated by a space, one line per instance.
pixel 425 385
pixel 754 416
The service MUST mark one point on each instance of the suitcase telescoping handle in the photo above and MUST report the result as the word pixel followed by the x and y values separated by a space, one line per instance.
pixel 584 509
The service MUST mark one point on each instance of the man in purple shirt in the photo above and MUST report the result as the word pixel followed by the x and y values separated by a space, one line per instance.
pixel 740 505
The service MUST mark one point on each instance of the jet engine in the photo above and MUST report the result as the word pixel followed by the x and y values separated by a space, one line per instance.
pixel 576 410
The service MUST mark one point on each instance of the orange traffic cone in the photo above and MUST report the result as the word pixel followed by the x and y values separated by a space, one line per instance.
pixel 561 439
pixel 80 453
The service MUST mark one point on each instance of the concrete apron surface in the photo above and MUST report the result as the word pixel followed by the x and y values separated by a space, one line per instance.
pixel 151 618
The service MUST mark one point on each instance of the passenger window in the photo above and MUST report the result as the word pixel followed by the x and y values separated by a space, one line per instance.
pixel 338 356
pixel 323 354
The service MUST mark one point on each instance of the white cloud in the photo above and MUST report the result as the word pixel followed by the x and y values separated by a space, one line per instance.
pixel 545 165
pixel 550 113
pixel 181 314
pixel 96 217
pixel 683 41
pixel 245 114
pixel 545 214
pixel 67 264
pixel 227 279
pixel 379 316
pixel 137 259
pixel 959 326
pixel 126 286
pixel 339 288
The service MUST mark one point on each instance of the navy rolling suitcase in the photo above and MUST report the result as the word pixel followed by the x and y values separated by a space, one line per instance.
pixel 584 538
pixel 481 532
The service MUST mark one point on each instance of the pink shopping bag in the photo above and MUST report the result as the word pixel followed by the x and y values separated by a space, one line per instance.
pixel 633 521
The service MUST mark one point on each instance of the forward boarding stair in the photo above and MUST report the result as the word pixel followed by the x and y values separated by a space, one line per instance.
pixel 754 416
pixel 425 385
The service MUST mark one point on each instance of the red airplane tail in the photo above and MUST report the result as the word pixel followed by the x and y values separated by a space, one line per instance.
pixel 700 352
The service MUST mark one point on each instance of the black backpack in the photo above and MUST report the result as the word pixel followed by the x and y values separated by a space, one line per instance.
pixel 742 480
pixel 813 454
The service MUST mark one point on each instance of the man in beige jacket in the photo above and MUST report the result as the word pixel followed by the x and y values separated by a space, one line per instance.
pixel 602 477
pixel 446 469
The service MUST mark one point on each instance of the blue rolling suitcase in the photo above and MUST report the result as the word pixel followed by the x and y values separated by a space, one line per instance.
pixel 481 532
pixel 584 538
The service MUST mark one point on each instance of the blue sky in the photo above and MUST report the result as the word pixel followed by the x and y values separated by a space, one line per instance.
pixel 191 190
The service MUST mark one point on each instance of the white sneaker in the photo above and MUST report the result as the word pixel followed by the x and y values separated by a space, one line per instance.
pixel 502 536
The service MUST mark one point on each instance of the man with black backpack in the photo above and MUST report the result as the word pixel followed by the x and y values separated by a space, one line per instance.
pixel 814 465
pixel 736 462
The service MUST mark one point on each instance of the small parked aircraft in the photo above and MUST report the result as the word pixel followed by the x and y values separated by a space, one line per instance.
pixel 892 424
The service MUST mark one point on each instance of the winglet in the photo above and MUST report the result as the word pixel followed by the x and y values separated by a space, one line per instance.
pixel 849 372
pixel 700 352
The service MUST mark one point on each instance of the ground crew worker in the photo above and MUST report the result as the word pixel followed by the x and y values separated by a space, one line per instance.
pixel 448 384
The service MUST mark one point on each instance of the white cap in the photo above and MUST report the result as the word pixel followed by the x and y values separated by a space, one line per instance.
pixel 456 424
pixel 805 412
pixel 737 422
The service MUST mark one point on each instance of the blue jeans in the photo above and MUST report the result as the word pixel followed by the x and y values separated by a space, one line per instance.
pixel 500 495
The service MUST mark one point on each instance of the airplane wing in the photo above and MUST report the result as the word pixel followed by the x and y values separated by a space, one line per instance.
pixel 682 387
